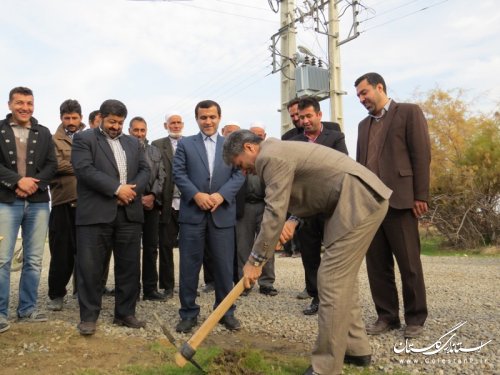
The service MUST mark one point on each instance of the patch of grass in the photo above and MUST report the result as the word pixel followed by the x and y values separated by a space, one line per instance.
pixel 434 245
pixel 216 361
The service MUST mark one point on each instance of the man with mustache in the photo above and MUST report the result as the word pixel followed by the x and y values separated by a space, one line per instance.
pixel 393 142
pixel 62 229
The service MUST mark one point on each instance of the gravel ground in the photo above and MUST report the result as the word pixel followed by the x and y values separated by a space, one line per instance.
pixel 459 289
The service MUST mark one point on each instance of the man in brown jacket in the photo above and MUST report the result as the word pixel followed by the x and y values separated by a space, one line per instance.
pixel 62 231
pixel 393 142
pixel 354 202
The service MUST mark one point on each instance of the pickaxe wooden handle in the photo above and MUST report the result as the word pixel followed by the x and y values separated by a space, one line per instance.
pixel 189 348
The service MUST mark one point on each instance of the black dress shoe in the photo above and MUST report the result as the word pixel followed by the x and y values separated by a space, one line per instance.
pixel 230 322
pixel 186 325
pixel 86 328
pixel 108 291
pixel 129 321
pixel 208 288
pixel 246 292
pixel 168 293
pixel 358 360
pixel 154 296
pixel 312 309
pixel 268 291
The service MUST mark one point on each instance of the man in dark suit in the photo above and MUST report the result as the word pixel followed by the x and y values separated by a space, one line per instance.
pixel 112 174
pixel 171 196
pixel 151 201
pixel 291 247
pixel 207 214
pixel 293 111
pixel 311 230
pixel 393 142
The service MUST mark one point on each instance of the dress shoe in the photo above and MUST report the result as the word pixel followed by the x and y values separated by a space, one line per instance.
pixel 168 293
pixel 186 325
pixel 208 288
pixel 230 322
pixel 296 254
pixel 86 328
pixel 55 304
pixel 303 295
pixel 413 331
pixel 310 371
pixel 284 254
pixel 108 291
pixel 358 360
pixel 129 321
pixel 312 309
pixel 381 326
pixel 154 296
pixel 268 291
pixel 246 292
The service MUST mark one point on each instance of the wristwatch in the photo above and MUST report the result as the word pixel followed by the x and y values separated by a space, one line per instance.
pixel 254 262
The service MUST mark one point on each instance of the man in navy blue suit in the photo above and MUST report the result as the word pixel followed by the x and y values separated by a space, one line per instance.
pixel 207 214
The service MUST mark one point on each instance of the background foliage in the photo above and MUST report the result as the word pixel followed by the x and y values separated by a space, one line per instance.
pixel 465 169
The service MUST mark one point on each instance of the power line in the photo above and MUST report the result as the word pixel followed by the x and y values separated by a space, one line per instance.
pixel 241 5
pixel 235 69
pixel 404 16
pixel 388 11
pixel 223 12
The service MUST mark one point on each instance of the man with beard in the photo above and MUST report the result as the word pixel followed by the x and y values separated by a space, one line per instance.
pixel 112 174
pixel 393 142
pixel 62 229
pixel 354 202
pixel 170 202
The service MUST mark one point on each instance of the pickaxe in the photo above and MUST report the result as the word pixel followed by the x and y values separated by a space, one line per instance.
pixel 188 350
pixel 171 339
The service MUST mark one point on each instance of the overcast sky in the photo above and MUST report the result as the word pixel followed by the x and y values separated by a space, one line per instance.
pixel 163 56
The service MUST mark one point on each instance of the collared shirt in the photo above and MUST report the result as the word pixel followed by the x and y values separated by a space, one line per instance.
pixel 210 145
pixel 70 134
pixel 176 196
pixel 383 111
pixel 119 154
pixel 311 138
pixel 375 140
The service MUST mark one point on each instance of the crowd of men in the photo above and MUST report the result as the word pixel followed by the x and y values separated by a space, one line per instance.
pixel 228 200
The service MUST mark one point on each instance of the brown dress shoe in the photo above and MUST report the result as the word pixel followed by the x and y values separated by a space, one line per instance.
pixel 129 321
pixel 413 331
pixel 86 328
pixel 381 326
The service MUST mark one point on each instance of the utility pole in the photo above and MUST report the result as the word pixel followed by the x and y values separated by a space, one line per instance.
pixel 287 49
pixel 336 110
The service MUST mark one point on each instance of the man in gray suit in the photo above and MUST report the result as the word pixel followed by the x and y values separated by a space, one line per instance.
pixel 170 197
pixel 393 142
pixel 111 174
pixel 354 201
pixel 151 202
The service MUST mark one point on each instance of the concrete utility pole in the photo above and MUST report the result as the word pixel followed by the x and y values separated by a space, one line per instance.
pixel 287 49
pixel 336 110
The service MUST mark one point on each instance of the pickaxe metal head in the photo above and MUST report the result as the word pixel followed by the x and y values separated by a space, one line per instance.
pixel 186 350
